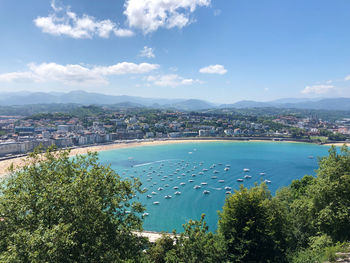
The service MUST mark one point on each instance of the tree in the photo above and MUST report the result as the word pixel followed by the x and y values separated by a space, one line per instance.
pixel 62 209
pixel 196 244
pixel 330 195
pixel 253 226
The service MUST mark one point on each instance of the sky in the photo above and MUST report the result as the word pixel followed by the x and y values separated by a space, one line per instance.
pixel 221 51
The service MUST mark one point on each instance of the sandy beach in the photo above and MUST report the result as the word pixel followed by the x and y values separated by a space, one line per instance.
pixel 5 164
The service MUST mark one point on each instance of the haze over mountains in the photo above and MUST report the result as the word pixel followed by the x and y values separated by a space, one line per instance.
pixel 86 98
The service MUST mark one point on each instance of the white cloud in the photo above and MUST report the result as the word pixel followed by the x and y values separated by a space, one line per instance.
pixel 213 69
pixel 67 23
pixel 149 15
pixel 347 77
pixel 147 52
pixel 76 74
pixel 171 80
pixel 317 89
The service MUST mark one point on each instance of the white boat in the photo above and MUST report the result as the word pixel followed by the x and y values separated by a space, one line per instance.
pixel 200 173
pixel 206 192
pixel 246 170
pixel 193 175
pixel 162 179
pixel 226 169
pixel 221 181
pixel 227 188
pixel 160 188
pixel 239 180
pixel 154 193
pixel 145 214
pixel 262 173
pixel 191 181
pixel 204 183
pixel 228 192
pixel 156 203
pixel 204 170
pixel 166 185
pixel 196 187
pixel 247 177
pixel 267 181
pixel 167 196
pixel 214 177
pixel 177 193
pixel 175 187
pixel 182 183
pixel 149 196
pixel 215 171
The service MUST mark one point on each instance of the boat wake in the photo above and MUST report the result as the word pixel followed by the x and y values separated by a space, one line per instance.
pixel 160 161
pixel 217 189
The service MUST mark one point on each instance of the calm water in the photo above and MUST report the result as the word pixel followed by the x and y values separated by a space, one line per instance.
pixel 168 166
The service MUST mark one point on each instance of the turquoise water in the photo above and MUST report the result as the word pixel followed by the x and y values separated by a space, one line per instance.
pixel 168 166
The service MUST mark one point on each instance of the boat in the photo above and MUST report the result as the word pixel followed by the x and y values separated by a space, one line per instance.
pixel 267 181
pixel 228 165
pixel 182 183
pixel 204 170
pixel 204 183
pixel 246 170
pixel 228 192
pixel 178 177
pixel 310 157
pixel 156 203
pixel 154 193
pixel 196 187
pixel 162 179
pixel 206 192
pixel 175 187
pixel 215 172
pixel 167 196
pixel 191 181
pixel 227 188
pixel 262 173
pixel 221 181
pixel 183 174
pixel 247 177
pixel 200 173
pixel 149 196
pixel 214 177
pixel 166 185
pixel 239 180
pixel 226 169
pixel 193 175
pixel 145 214
pixel 160 188
pixel 177 193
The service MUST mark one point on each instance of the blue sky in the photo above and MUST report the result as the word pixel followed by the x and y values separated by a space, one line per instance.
pixel 218 50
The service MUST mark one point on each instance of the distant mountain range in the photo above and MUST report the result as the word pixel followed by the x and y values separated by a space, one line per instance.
pixel 86 98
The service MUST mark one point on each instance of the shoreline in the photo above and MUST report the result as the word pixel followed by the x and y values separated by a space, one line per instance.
pixel 17 161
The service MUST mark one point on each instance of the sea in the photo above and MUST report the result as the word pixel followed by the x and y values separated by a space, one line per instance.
pixel 204 173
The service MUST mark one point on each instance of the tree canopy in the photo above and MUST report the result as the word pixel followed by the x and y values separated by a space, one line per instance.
pixel 62 209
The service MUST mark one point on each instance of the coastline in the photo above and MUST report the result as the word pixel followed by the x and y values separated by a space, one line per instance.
pixel 5 164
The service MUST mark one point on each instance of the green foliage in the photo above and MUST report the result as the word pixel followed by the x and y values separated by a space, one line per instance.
pixel 196 244
pixel 162 246
pixel 253 226
pixel 62 209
